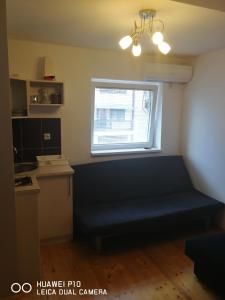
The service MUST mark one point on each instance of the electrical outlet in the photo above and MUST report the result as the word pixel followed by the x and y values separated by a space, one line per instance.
pixel 47 136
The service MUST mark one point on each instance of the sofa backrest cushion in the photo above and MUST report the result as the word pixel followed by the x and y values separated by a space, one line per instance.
pixel 130 179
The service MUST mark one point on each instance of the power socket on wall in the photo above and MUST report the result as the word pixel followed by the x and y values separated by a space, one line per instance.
pixel 47 136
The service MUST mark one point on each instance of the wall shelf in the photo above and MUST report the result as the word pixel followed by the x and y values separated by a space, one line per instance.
pixel 28 94
pixel 46 104
pixel 19 94
pixel 19 117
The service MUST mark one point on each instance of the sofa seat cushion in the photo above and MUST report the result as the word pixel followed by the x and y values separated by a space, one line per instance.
pixel 117 217
pixel 209 250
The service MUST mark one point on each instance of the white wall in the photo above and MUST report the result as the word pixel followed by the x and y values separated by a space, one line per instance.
pixel 75 66
pixel 204 124
pixel 8 253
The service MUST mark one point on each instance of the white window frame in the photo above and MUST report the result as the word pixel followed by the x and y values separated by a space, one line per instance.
pixel 110 149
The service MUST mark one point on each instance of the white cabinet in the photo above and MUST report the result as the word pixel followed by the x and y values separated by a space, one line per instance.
pixel 28 244
pixel 55 208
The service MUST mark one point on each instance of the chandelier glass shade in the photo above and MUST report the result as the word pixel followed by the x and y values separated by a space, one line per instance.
pixel 150 26
pixel 136 49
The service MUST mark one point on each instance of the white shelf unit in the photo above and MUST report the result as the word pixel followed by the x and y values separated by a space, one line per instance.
pixel 19 98
pixel 54 91
pixel 45 104
pixel 22 92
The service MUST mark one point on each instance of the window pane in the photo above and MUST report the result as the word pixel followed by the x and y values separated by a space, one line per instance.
pixel 122 116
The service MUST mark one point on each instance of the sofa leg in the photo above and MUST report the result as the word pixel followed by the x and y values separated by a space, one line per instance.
pixel 98 244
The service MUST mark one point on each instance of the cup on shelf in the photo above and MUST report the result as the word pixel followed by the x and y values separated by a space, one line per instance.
pixel 34 99
pixel 55 98
pixel 45 99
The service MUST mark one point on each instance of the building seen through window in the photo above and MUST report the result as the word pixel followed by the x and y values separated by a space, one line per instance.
pixel 122 116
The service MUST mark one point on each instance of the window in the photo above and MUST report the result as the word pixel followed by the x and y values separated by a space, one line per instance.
pixel 124 115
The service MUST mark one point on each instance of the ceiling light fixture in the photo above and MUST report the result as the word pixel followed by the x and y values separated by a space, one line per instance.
pixel 150 26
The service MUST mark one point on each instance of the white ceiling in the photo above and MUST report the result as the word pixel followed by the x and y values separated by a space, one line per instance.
pixel 191 30
pixel 213 4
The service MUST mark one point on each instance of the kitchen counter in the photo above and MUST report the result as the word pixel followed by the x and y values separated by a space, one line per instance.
pixel 40 172
pixel 53 171
pixel 27 189
pixel 51 189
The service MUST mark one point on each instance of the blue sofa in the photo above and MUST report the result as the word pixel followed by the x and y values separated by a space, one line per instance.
pixel 136 195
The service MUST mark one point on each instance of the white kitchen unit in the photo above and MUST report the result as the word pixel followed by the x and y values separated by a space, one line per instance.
pixel 55 202
pixel 27 226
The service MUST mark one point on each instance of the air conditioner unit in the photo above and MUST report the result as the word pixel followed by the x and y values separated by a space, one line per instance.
pixel 167 72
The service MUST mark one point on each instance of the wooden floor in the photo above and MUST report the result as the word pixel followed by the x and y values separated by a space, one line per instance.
pixel 156 271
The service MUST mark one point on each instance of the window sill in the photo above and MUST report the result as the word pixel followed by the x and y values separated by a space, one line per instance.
pixel 124 151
